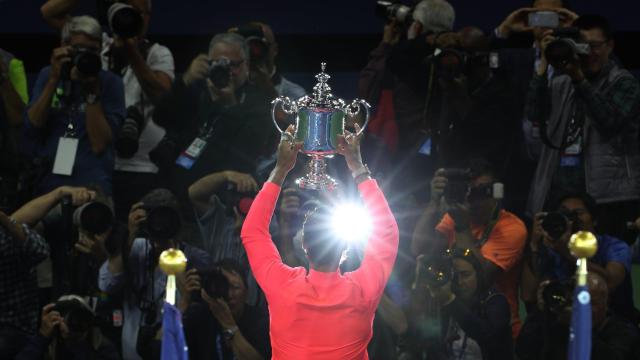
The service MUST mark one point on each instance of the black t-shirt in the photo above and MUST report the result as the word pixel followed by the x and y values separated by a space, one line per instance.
pixel 206 341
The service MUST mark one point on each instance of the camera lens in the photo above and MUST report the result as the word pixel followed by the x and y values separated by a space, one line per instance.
pixel 124 20
pixel 87 62
pixel 220 73
pixel 94 218
pixel 163 222
pixel 555 224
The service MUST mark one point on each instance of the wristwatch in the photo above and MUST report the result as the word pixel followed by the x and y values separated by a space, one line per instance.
pixel 91 98
pixel 230 333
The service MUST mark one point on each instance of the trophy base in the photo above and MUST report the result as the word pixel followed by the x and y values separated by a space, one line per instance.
pixel 317 178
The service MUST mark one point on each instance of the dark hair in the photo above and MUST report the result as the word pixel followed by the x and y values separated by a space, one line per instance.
pixel 481 167
pixel 565 3
pixel 232 265
pixel 590 22
pixel 467 255
pixel 322 247
pixel 588 201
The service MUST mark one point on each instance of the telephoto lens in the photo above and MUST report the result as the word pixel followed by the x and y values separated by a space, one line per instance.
pixel 390 10
pixel 93 217
pixel 87 61
pixel 124 21
pixel 565 48
pixel 127 142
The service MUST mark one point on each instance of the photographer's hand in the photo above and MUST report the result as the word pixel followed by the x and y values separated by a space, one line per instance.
pixel 137 215
pixel 537 232
pixel 197 71
pixel 438 184
pixel 287 156
pixel 567 17
pixel 50 319
pixel 93 245
pixel 220 310
pixel 59 57
pixel 244 182
pixel 516 22
pixel 542 45
pixel 79 195
pixel 187 282
pixel 391 33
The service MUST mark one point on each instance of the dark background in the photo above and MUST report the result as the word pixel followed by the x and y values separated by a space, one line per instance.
pixel 340 32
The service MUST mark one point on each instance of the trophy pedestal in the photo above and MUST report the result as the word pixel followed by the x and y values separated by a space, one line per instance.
pixel 316 177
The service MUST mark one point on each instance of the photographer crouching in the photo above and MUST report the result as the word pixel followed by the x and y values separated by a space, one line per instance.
pixel 589 115
pixel 548 256
pixel 154 226
pixel 475 320
pixel 465 213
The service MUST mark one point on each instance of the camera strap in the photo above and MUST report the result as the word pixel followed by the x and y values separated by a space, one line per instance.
pixel 491 225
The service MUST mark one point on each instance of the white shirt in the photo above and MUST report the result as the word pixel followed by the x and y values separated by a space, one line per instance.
pixel 159 58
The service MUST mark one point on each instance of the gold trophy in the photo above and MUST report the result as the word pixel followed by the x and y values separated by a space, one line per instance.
pixel 172 262
pixel 583 245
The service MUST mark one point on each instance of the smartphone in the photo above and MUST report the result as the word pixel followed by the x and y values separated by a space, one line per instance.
pixel 546 19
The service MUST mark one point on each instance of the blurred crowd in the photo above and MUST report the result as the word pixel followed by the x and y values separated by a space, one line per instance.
pixel 493 148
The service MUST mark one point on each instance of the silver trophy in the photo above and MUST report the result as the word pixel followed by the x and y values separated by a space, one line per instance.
pixel 319 120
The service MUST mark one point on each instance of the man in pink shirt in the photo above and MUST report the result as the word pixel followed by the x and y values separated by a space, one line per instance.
pixel 321 313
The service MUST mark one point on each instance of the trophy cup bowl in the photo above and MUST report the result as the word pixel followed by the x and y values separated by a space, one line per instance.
pixel 319 120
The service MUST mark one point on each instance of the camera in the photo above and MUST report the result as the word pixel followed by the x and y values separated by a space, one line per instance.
pixel 555 223
pixel 457 187
pixel 257 43
pixel 124 20
pixel 86 60
pixel 434 271
pixel 162 223
pixel 127 141
pixel 558 295
pixel 545 19
pixel 566 47
pixel 93 217
pixel 214 283
pixel 232 198
pixel 78 317
pixel 220 72
pixel 390 10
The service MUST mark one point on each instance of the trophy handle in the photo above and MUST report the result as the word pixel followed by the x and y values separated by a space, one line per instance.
pixel 288 106
pixel 353 109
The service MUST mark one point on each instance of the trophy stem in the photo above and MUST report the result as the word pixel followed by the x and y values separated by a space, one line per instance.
pixel 316 177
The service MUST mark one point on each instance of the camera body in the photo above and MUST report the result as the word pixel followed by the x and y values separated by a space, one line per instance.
pixel 214 283
pixel 127 142
pixel 458 184
pixel 558 295
pixel 393 10
pixel 232 198
pixel 555 223
pixel 220 72
pixel 566 47
pixel 434 271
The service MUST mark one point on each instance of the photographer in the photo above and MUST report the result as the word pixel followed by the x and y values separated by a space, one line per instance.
pixel 221 201
pixel 548 254
pixel 477 116
pixel 76 110
pixel 22 250
pixel 464 213
pixel 222 325
pixel 133 273
pixel 147 71
pixel 475 320
pixel 215 117
pixel 263 50
pixel 68 331
pixel 396 76
pixel 589 115
pixel 545 333
pixel 13 98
